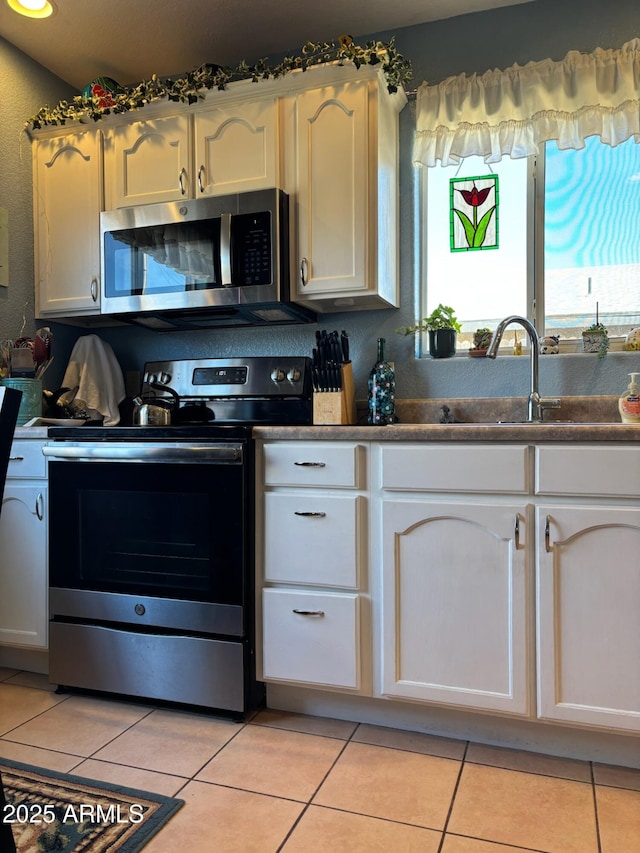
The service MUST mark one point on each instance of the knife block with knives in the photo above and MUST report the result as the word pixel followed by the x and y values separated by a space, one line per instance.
pixel 333 389
pixel 336 407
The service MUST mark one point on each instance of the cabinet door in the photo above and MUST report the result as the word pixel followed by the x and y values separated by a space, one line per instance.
pixel 455 612
pixel 588 615
pixel 149 161
pixel 334 203
pixel 67 205
pixel 237 148
pixel 23 565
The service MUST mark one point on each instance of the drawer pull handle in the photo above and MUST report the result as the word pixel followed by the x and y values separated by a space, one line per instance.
pixel 311 464
pixel 516 534
pixel 318 613
pixel 548 547
pixel 311 514
pixel 16 459
pixel 39 507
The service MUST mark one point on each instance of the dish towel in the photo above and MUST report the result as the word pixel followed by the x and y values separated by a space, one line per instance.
pixel 94 370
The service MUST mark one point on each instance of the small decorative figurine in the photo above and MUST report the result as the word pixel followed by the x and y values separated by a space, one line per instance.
pixel 549 344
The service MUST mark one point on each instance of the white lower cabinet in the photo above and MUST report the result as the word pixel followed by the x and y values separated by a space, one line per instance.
pixel 23 549
pixel 311 637
pixel 589 615
pixel 314 601
pixel 455 604
pixel 588 585
pixel 489 571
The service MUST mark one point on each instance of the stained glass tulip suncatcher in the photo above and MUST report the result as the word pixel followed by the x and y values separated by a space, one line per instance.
pixel 473 213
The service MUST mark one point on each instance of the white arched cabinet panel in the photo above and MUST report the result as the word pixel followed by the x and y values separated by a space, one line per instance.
pixel 149 161
pixel 23 567
pixel 588 604
pixel 67 203
pixel 333 189
pixel 237 148
pixel 455 593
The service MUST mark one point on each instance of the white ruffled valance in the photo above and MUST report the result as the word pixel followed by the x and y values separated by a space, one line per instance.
pixel 514 112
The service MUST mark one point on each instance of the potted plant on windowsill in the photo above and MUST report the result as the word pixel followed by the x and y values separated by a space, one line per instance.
pixel 481 340
pixel 595 338
pixel 442 327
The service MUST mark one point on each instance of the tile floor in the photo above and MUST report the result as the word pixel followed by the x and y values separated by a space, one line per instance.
pixel 290 783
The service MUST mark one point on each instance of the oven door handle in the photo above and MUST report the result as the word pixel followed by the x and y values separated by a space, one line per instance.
pixel 126 452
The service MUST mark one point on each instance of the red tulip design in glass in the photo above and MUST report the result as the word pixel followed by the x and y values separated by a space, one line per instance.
pixel 473 215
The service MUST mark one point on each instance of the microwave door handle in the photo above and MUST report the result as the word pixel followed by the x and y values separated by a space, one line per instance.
pixel 225 249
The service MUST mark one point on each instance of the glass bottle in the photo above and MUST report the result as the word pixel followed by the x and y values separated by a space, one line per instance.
pixel 382 391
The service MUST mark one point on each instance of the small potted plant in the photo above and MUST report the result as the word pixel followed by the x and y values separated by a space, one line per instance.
pixel 481 340
pixel 442 327
pixel 595 338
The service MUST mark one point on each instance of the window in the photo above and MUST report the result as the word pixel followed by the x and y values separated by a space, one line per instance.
pixel 565 244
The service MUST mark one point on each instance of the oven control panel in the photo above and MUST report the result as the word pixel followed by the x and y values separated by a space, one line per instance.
pixel 255 376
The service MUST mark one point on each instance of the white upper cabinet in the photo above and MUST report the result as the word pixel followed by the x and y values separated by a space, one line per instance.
pixel 237 148
pixel 148 161
pixel 193 153
pixel 346 185
pixel 327 137
pixel 67 203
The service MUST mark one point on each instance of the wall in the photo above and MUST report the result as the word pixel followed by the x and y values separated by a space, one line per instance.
pixel 499 38
pixel 24 87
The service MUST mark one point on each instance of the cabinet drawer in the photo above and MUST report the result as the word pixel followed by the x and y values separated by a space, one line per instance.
pixel 311 638
pixel 313 539
pixel 588 470
pixel 321 463
pixel 26 460
pixel 477 468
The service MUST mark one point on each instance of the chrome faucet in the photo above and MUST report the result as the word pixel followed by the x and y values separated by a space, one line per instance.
pixel 536 404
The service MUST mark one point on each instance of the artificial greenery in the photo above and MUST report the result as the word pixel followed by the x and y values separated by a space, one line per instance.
pixel 194 84
pixel 443 317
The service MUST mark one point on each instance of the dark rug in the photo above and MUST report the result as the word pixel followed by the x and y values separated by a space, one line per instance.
pixel 51 811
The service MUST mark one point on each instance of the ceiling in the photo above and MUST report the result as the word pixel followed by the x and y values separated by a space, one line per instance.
pixel 137 38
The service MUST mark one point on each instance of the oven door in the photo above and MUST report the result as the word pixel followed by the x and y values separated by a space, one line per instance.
pixel 164 542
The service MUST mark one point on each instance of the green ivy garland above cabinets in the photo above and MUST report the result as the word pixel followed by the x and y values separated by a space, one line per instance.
pixel 190 88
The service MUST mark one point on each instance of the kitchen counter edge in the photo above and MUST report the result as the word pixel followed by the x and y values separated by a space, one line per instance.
pixel 557 432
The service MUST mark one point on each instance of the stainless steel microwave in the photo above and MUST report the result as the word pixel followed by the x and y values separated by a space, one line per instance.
pixel 207 262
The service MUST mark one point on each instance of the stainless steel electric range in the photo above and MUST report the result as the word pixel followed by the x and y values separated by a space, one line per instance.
pixel 151 536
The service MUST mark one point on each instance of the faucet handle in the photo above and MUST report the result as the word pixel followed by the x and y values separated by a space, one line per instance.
pixel 549 403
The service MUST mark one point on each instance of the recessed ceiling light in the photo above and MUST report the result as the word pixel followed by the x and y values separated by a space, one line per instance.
pixel 32 8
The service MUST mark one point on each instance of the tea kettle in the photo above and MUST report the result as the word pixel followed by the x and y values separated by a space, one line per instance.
pixel 147 413
pixel 156 411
